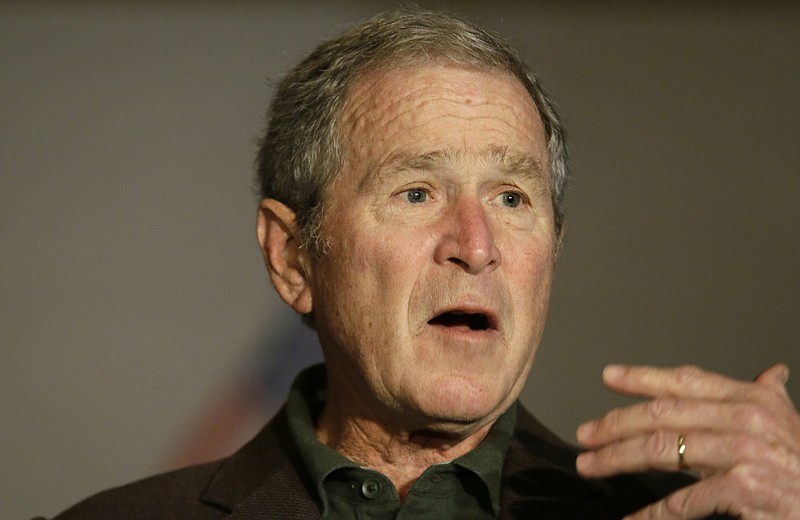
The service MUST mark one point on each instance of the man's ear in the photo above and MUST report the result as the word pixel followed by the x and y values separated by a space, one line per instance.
pixel 287 262
pixel 560 238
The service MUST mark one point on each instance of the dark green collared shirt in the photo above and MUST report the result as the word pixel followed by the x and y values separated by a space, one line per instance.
pixel 464 489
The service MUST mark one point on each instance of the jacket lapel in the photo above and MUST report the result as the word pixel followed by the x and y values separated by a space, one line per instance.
pixel 260 481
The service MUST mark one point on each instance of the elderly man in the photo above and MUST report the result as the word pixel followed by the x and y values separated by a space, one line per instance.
pixel 412 176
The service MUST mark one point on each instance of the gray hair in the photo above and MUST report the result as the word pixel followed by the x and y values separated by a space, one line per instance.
pixel 301 153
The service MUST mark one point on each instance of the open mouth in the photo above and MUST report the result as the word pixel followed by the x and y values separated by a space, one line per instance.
pixel 470 320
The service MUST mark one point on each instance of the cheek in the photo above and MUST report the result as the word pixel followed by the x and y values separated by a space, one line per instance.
pixel 529 256
pixel 387 252
pixel 530 273
pixel 370 272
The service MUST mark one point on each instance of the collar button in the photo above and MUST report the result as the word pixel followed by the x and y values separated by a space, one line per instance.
pixel 370 488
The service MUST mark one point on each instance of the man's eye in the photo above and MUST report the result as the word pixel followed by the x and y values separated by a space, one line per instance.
pixel 511 199
pixel 416 196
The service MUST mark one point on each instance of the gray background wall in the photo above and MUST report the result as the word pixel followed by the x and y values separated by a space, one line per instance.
pixel 131 287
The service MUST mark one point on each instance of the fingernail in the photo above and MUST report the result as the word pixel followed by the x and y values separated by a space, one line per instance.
pixel 584 461
pixel 585 431
pixel 785 375
pixel 612 372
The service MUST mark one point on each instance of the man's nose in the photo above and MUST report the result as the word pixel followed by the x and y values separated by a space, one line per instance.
pixel 467 238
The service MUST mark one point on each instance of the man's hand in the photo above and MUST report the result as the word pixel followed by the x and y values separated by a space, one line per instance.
pixel 743 438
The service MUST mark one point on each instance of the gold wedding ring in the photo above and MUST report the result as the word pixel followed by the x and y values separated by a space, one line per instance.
pixel 682 452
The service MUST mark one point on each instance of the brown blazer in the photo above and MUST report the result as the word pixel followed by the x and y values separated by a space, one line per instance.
pixel 261 481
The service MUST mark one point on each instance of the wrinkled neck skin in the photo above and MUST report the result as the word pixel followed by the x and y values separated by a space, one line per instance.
pixel 402 454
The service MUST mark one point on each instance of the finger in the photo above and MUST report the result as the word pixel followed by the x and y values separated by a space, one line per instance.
pixel 678 415
pixel 656 451
pixel 689 503
pixel 743 494
pixel 775 377
pixel 705 452
pixel 686 381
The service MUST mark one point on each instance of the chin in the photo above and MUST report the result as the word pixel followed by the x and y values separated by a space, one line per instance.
pixel 463 402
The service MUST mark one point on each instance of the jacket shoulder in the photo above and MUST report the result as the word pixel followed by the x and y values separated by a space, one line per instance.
pixel 262 472
pixel 175 494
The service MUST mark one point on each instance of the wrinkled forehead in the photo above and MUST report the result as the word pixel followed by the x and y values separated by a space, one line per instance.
pixel 384 85
pixel 423 112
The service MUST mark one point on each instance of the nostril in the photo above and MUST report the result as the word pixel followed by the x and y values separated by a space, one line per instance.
pixel 476 261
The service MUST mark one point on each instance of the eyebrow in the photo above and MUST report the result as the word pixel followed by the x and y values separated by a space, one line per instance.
pixel 512 163
pixel 425 161
pixel 523 165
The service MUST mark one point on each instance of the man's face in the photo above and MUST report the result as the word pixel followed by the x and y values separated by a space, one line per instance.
pixel 431 299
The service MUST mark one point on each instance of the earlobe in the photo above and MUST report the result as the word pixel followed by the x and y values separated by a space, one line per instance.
pixel 286 261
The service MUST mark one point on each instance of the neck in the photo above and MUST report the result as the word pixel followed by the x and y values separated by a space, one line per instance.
pixel 400 454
